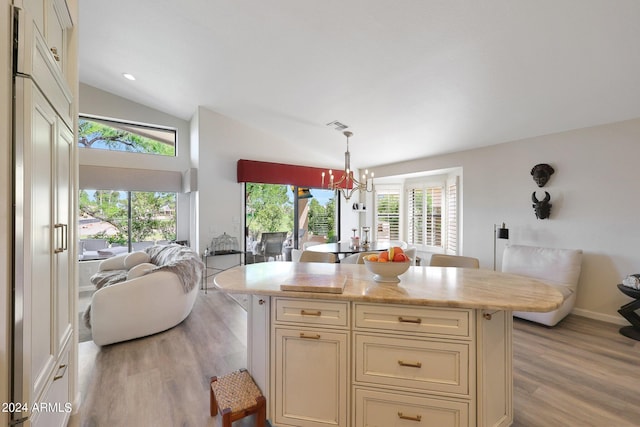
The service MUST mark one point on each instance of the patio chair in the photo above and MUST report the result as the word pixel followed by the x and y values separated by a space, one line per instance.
pixel 271 245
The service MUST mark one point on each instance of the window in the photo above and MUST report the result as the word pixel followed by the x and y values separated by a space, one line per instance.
pixel 387 213
pixel 432 211
pixel 124 219
pixel 277 207
pixel 95 133
pixel 424 212
pixel 425 216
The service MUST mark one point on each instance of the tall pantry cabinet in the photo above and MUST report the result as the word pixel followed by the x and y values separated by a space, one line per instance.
pixel 45 165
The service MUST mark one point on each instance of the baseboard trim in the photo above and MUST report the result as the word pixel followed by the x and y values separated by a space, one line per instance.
pixel 600 316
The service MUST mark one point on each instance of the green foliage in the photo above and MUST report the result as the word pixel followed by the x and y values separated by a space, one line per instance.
pixel 268 208
pixel 152 214
pixel 322 218
pixel 93 134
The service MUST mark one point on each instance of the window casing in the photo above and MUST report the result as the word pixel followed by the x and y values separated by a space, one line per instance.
pixel 424 213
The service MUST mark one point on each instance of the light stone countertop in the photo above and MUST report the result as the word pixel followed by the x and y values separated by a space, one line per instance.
pixel 428 286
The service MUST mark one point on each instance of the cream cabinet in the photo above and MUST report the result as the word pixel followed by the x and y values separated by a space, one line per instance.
pixel 52 20
pixel 310 369
pixel 413 365
pixel 431 367
pixel 44 264
pixel 341 362
pixel 44 199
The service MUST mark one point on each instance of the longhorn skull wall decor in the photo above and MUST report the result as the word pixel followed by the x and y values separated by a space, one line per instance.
pixel 541 207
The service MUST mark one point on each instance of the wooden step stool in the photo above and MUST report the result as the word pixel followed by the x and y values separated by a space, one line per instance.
pixel 237 395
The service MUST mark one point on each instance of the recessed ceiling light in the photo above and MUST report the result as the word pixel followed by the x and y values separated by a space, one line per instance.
pixel 128 76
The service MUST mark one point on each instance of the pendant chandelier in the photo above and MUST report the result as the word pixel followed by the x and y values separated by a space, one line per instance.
pixel 348 184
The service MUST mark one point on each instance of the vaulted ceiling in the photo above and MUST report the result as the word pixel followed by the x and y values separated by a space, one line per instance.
pixel 411 78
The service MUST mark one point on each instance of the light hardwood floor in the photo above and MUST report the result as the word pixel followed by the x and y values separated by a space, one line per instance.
pixel 580 373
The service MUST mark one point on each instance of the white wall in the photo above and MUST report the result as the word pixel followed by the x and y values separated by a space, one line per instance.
pixel 594 195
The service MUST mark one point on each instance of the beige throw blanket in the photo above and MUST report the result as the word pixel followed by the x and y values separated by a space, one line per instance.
pixel 180 260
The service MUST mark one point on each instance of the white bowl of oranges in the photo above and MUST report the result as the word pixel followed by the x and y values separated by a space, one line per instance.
pixel 388 265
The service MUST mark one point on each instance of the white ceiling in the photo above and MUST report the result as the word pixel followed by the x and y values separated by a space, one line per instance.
pixel 411 78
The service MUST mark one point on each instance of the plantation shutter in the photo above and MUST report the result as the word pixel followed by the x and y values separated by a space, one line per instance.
pixel 452 216
pixel 387 214
pixel 433 220
pixel 425 208
pixel 415 207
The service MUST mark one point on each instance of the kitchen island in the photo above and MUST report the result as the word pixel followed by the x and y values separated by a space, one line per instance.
pixel 344 350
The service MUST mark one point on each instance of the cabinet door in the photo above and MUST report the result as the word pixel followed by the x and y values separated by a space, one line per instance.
pixel 39 289
pixel 56 33
pixel 36 9
pixel 311 378
pixel 63 211
pixel 42 278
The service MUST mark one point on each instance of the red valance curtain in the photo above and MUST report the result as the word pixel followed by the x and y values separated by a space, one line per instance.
pixel 280 173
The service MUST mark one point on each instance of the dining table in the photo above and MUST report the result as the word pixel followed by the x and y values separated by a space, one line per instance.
pixel 346 248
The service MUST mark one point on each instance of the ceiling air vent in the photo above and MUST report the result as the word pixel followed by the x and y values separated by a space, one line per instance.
pixel 337 125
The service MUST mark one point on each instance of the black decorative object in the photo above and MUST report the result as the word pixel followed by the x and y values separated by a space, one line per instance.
pixel 541 207
pixel 498 233
pixel 541 173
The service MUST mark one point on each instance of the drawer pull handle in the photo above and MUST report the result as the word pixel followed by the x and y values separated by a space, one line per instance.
pixel 405 320
pixel 410 364
pixel 310 313
pixel 59 375
pixel 407 417
pixel 309 337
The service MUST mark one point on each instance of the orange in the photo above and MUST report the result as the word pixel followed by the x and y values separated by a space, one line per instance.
pixel 401 257
pixel 383 256
pixel 397 250
pixel 373 258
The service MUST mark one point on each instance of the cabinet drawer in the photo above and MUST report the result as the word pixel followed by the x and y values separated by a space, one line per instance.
pixel 392 409
pixel 54 407
pixel 427 320
pixel 435 366
pixel 312 312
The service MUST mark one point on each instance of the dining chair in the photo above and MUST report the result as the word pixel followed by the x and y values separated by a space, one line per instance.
pixel 305 245
pixel 402 244
pixel 309 256
pixel 350 259
pixel 296 254
pixel 441 260
pixel 411 253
